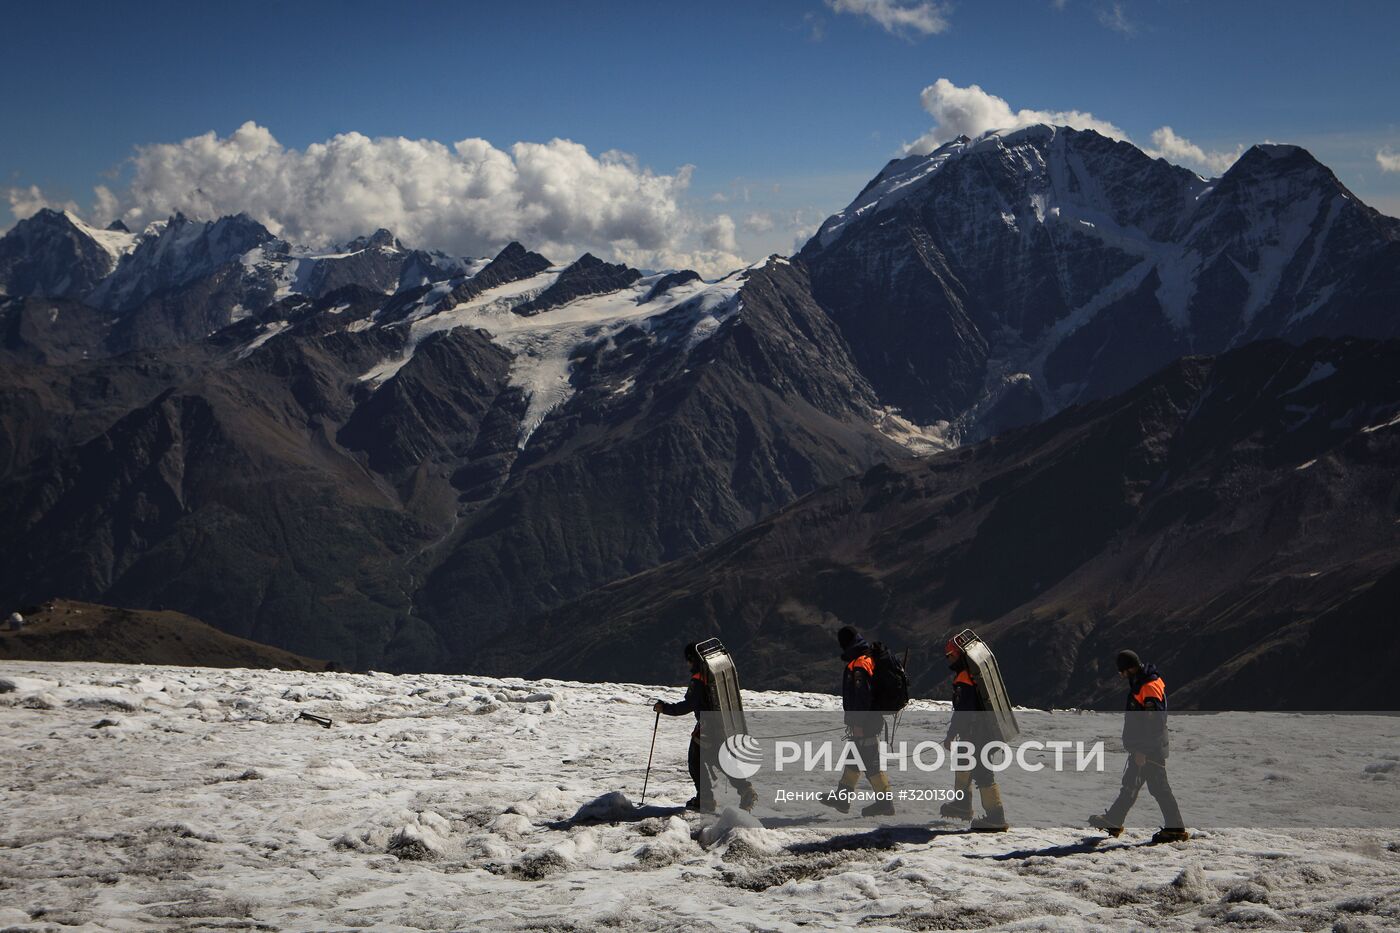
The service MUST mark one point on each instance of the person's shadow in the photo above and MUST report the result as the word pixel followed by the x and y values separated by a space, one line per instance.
pixel 635 815
pixel 1082 847
pixel 883 837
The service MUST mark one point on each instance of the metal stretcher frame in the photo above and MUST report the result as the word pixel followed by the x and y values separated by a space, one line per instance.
pixel 722 680
pixel 990 686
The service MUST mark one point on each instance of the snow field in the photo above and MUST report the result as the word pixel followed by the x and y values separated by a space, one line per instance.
pixel 145 798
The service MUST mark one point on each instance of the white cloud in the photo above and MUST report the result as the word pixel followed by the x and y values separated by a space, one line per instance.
pixel 1388 160
pixel 1114 18
pixel 26 202
pixel 710 263
pixel 758 222
pixel 1182 151
pixel 800 236
pixel 468 198
pixel 718 233
pixel 898 17
pixel 971 111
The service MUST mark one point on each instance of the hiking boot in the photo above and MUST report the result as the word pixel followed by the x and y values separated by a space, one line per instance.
pixel 959 808
pixel 1101 821
pixel 994 820
pixel 701 806
pixel 748 798
pixel 837 801
pixel 878 808
pixel 1169 834
pixel 956 810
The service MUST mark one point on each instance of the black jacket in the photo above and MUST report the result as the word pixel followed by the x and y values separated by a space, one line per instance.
pixel 1145 722
pixel 967 703
pixel 857 692
pixel 697 698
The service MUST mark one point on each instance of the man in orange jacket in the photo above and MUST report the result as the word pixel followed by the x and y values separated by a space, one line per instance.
pixel 864 724
pixel 1145 739
pixel 969 724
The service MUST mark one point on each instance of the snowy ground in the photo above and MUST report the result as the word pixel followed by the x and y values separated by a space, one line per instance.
pixel 143 798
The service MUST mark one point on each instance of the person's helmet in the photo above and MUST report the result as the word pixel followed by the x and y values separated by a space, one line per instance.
pixel 952 649
pixel 692 652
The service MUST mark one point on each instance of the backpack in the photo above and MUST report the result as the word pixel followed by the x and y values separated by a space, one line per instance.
pixel 889 688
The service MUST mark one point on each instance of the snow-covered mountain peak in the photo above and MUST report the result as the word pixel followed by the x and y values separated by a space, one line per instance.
pixel 56 254
pixel 895 181
pixel 1055 253
pixel 176 254
pixel 1028 176
pixel 380 239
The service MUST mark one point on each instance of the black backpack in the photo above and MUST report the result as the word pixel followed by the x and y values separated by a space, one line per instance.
pixel 889 688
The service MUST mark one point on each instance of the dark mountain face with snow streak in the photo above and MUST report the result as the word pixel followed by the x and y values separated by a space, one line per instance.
pixel 993 282
pixel 392 480
pixel 1233 519
pixel 393 458
pixel 55 255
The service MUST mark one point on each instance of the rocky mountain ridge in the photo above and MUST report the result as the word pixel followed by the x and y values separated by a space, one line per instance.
pixel 396 459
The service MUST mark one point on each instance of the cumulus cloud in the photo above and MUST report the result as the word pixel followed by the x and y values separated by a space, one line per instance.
pixel 469 197
pixel 26 202
pixel 710 263
pixel 971 111
pixel 718 233
pixel 1168 145
pixel 1388 161
pixel 904 18
pixel 758 222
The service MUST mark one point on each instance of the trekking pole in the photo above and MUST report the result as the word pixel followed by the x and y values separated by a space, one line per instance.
pixel 647 779
pixel 895 727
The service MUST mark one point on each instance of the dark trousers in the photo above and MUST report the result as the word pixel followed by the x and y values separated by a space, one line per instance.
pixel 703 763
pixel 1154 775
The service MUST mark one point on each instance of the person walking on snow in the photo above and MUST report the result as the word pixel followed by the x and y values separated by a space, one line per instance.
pixel 1145 739
pixel 968 724
pixel 863 726
pixel 703 759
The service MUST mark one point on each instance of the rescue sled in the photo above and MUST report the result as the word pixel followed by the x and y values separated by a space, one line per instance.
pixel 722 682
pixel 990 687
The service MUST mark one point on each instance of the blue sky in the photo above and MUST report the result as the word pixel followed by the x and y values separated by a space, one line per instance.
pixel 784 109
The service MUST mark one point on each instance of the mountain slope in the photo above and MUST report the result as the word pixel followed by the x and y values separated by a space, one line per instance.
pixel 335 474
pixel 395 458
pixel 1219 517
pixel 995 281
pixel 54 254
pixel 65 630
